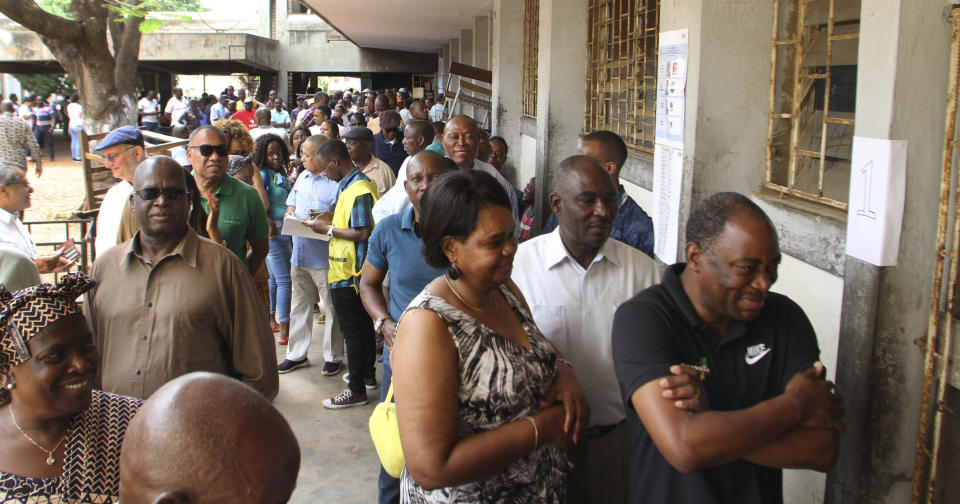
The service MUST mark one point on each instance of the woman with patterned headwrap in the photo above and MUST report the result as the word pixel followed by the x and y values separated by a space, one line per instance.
pixel 59 438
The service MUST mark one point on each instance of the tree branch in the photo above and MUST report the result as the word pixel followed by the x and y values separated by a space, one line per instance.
pixel 33 18
pixel 128 54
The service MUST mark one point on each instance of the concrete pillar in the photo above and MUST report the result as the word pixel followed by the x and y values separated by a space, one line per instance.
pixel 880 369
pixel 506 60
pixel 481 42
pixel 466 47
pixel 466 57
pixel 560 104
pixel 454 50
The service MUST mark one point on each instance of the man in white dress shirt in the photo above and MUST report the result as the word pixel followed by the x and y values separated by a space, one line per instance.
pixel 14 198
pixel 573 280
pixel 122 150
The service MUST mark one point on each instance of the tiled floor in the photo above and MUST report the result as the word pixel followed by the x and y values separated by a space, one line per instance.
pixel 338 461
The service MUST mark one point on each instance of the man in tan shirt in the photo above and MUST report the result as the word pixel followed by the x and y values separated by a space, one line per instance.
pixel 359 140
pixel 169 302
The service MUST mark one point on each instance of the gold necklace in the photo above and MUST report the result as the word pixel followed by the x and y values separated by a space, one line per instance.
pixel 50 460
pixel 496 304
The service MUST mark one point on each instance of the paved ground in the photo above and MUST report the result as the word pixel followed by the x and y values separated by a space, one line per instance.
pixel 339 463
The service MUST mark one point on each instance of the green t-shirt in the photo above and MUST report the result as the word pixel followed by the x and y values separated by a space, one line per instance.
pixel 242 217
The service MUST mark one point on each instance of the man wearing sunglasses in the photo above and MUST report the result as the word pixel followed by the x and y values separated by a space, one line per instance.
pixel 242 218
pixel 388 143
pixel 169 302
pixel 122 150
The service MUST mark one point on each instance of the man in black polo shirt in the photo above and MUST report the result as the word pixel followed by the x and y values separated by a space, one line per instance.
pixel 755 352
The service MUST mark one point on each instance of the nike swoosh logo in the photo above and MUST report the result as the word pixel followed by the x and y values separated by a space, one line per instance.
pixel 756 358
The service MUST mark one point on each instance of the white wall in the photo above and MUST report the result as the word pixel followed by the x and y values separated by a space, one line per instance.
pixel 527 164
pixel 643 197
pixel 820 294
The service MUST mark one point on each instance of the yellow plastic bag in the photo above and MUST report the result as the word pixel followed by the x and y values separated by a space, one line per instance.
pixel 386 435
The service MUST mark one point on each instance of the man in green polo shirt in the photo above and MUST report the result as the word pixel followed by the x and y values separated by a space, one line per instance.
pixel 242 218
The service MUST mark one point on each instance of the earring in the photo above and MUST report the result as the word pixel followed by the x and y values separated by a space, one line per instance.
pixel 10 386
pixel 453 272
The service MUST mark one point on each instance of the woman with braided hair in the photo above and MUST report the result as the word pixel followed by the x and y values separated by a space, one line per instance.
pixel 271 156
pixel 59 438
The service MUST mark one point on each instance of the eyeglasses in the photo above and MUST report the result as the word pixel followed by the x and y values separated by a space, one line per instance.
pixel 23 183
pixel 152 193
pixel 207 150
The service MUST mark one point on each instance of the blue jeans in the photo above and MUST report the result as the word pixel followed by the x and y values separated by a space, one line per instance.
pixel 388 486
pixel 44 136
pixel 278 265
pixel 75 149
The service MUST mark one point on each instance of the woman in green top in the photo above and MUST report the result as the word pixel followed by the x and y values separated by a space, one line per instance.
pixel 270 156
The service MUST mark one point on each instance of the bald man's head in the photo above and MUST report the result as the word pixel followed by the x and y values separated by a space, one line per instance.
pixel 205 437
pixel 460 141
pixel 262 116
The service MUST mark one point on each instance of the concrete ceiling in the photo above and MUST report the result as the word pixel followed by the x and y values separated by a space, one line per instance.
pixel 403 25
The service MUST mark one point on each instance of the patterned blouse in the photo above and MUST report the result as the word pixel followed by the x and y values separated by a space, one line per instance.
pixel 500 382
pixel 16 138
pixel 91 466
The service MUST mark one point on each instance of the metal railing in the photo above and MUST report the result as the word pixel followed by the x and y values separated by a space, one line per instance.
pixel 808 139
pixel 944 303
pixel 84 239
pixel 531 44
pixel 621 77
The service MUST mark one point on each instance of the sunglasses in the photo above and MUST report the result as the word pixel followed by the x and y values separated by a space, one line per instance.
pixel 152 193
pixel 207 150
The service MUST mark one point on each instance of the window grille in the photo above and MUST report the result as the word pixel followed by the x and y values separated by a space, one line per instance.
pixel 621 77
pixel 813 83
pixel 531 35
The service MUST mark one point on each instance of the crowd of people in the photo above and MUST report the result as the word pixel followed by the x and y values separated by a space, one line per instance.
pixel 561 369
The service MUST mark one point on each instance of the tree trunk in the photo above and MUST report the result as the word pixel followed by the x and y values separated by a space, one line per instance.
pixel 106 79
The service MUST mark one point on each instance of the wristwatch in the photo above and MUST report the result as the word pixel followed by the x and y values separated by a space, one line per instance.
pixel 330 232
pixel 379 324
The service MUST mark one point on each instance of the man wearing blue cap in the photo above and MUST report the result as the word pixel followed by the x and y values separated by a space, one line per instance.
pixel 122 150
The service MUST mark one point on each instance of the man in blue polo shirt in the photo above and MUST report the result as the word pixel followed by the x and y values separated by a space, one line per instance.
pixel 396 242
pixel 313 192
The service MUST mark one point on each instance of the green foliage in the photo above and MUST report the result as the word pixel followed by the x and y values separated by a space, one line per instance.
pixel 44 84
pixel 323 84
pixel 62 9
pixel 58 7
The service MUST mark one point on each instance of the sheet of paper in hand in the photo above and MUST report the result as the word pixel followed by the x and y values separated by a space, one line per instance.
pixel 292 226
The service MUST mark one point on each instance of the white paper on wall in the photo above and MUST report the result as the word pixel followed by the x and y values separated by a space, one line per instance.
pixel 878 175
pixel 673 51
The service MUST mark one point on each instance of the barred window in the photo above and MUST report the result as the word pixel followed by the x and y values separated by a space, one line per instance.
pixel 813 85
pixel 621 79
pixel 531 43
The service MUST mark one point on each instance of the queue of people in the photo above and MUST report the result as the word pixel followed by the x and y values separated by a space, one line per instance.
pixel 562 369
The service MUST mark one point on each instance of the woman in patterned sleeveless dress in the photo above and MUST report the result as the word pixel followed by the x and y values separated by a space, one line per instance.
pixel 485 405
pixel 59 439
